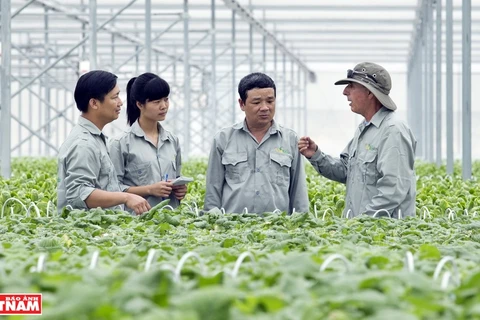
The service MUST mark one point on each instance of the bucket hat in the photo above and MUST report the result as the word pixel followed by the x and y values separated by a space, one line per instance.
pixel 373 77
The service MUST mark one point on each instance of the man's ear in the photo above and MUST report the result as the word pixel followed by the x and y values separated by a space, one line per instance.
pixel 241 104
pixel 93 103
pixel 139 105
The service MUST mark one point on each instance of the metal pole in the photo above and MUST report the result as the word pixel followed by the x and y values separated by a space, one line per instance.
pixel 148 35
pixel 112 49
pixel 57 102
pixel 264 48
pixel 449 79
pixel 430 118
pixel 30 116
pixel 438 101
pixel 67 53
pixel 305 104
pixel 458 111
pixel 17 12
pixel 140 49
pixel 410 95
pixel 213 79
pixel 5 70
pixel 264 54
pixel 292 95
pixel 32 61
pixel 299 101
pixel 466 89
pixel 424 94
pixel 65 128
pixel 250 38
pixel 19 103
pixel 39 119
pixel 46 83
pixel 93 34
pixel 284 91
pixel 234 68
pixel 186 85
pixel 83 50
pixel 137 57
pixel 174 104
pixel 250 48
pixel 247 15
pixel 275 61
pixel 419 97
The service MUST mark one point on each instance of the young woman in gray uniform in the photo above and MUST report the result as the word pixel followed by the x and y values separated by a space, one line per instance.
pixel 147 157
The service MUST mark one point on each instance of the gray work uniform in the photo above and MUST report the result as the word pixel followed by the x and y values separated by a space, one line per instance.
pixel 377 167
pixel 139 163
pixel 83 166
pixel 259 176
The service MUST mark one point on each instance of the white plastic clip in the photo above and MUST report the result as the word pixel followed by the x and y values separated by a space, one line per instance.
pixel 182 261
pixel 325 213
pixel 409 262
pixel 11 210
pixel 239 261
pixel 333 257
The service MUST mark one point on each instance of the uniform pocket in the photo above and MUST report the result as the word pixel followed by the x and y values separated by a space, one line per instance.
pixel 142 173
pixel 351 161
pixel 236 166
pixel 369 168
pixel 107 178
pixel 280 165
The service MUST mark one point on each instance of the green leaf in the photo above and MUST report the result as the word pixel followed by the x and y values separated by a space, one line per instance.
pixel 427 251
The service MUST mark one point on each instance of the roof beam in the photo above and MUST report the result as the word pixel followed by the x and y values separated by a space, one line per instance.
pixel 248 17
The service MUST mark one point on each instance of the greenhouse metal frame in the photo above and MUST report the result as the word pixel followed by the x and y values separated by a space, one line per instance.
pixel 204 47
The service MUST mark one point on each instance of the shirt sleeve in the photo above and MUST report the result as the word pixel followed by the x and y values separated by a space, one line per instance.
pixel 330 167
pixel 82 169
pixel 215 178
pixel 117 155
pixel 395 165
pixel 298 185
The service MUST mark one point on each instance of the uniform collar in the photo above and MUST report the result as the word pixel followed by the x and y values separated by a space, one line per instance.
pixel 274 128
pixel 90 126
pixel 138 131
pixel 378 117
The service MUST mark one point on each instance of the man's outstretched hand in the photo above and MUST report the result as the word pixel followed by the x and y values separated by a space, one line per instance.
pixel 307 147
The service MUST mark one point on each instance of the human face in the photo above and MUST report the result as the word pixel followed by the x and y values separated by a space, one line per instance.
pixel 259 107
pixel 109 109
pixel 358 97
pixel 155 110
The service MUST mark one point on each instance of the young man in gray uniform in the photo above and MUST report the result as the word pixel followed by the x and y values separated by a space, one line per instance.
pixel 255 164
pixel 378 164
pixel 86 176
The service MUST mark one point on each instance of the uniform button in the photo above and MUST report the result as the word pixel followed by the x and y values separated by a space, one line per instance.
pixel 258 169
pixel 257 193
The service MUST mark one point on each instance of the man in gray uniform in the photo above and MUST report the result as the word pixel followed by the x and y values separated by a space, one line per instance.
pixel 86 176
pixel 255 164
pixel 378 164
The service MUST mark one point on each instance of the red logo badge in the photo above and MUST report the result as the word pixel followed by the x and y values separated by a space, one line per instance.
pixel 20 303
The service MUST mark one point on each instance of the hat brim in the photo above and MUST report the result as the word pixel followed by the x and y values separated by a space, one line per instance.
pixel 384 99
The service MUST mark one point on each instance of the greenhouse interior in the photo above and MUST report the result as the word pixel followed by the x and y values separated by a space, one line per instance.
pixel 240 159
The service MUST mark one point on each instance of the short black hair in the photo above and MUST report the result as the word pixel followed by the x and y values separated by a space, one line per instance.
pixel 95 84
pixel 146 87
pixel 255 80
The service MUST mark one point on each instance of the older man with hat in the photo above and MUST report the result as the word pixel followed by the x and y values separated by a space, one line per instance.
pixel 377 165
